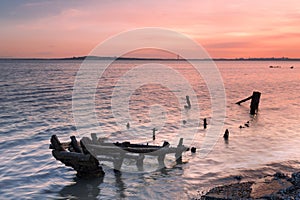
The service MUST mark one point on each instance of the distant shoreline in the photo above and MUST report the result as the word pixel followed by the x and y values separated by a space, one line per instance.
pixel 158 59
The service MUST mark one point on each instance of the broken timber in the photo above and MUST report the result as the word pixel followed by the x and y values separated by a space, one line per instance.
pixel 84 156
pixel 254 102
pixel 84 163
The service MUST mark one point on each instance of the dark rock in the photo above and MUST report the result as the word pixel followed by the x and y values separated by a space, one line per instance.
pixel 279 175
pixel 238 178
pixel 232 191
pixel 278 186
pixel 269 187
pixel 296 178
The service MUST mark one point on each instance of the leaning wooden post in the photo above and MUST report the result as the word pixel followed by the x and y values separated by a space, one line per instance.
pixel 178 154
pixel 188 102
pixel 239 102
pixel 254 102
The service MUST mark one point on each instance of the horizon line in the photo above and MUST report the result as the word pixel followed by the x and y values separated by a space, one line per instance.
pixel 154 58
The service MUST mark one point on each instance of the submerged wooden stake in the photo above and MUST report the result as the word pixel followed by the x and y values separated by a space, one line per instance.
pixel 188 102
pixel 226 135
pixel 204 123
pixel 254 102
pixel 153 133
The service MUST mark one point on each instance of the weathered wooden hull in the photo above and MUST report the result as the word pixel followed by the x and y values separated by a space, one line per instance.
pixel 84 156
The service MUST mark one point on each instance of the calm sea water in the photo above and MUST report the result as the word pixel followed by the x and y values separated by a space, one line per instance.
pixel 36 102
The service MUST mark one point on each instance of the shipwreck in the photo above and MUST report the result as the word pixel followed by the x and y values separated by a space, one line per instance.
pixel 85 156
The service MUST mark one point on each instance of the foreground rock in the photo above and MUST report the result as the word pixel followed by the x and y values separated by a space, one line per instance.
pixel 232 191
pixel 278 186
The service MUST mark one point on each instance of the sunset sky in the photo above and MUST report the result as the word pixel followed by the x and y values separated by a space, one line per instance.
pixel 225 28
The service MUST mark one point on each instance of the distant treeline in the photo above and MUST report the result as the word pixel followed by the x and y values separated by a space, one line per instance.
pixel 161 59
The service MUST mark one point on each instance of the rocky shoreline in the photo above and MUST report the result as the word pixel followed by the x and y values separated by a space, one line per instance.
pixel 278 186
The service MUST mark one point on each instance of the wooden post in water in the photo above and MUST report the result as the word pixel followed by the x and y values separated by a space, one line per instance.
pixel 254 102
pixel 153 133
pixel 188 102
pixel 226 135
pixel 204 123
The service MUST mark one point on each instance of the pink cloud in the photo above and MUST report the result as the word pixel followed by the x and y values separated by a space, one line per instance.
pixel 225 28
